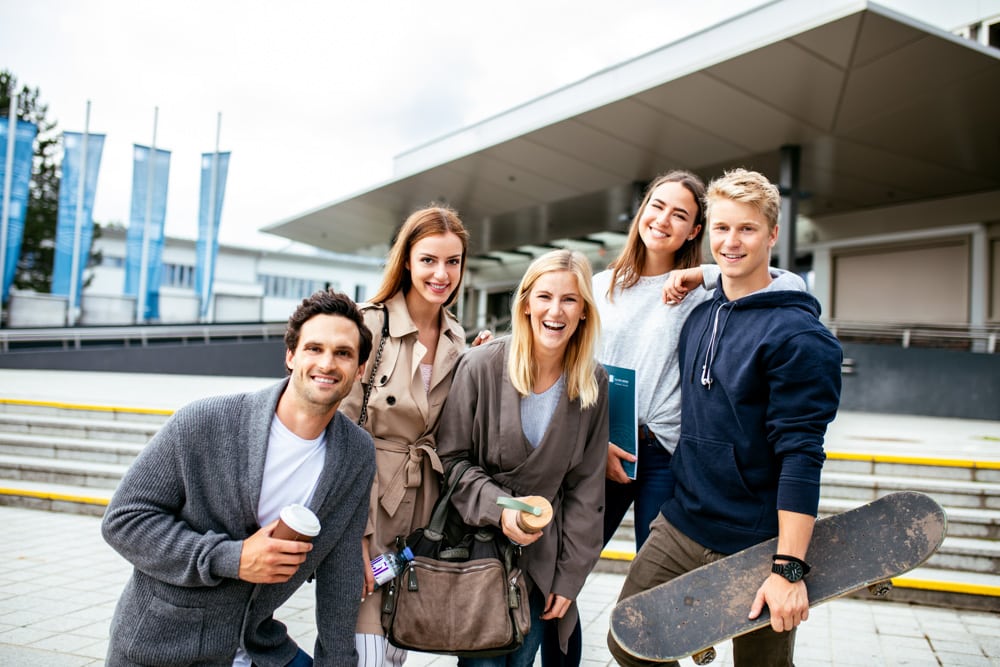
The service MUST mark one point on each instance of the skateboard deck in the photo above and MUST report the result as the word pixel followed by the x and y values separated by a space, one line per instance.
pixel 849 551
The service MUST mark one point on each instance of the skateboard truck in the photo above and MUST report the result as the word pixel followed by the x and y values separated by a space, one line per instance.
pixel 704 657
pixel 880 589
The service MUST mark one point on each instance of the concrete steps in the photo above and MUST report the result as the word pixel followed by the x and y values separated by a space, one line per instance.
pixel 68 458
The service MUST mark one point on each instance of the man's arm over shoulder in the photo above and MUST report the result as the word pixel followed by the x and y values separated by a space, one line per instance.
pixel 144 523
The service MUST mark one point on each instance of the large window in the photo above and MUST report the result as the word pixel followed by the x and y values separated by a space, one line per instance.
pixel 177 275
pixel 288 287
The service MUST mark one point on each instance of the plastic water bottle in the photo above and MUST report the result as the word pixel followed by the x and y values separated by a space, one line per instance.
pixel 388 565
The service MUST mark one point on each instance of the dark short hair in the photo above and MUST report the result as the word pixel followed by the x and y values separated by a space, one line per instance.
pixel 329 302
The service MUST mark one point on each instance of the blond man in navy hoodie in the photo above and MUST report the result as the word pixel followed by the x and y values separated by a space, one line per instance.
pixel 760 381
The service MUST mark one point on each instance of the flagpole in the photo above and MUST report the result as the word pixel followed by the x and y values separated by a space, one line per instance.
pixel 206 284
pixel 7 184
pixel 72 310
pixel 140 316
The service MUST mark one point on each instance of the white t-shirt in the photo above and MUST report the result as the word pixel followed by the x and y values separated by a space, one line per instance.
pixel 291 472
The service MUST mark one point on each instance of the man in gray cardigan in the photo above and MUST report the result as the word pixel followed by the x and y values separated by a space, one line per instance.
pixel 195 512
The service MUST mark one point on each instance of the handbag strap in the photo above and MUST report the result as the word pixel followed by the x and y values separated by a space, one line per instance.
pixel 440 515
pixel 363 417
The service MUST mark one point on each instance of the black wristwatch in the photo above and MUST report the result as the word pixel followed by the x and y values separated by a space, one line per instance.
pixel 793 570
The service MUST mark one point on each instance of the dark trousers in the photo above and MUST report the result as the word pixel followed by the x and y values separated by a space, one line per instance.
pixel 653 486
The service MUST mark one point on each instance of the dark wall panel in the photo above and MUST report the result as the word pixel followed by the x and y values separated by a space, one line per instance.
pixel 238 359
pixel 915 381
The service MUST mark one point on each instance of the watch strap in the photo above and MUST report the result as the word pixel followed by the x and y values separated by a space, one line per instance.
pixel 805 566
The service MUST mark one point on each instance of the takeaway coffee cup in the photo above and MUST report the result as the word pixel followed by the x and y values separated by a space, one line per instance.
pixel 296 522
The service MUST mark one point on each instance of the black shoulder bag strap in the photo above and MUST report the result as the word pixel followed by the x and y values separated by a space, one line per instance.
pixel 363 417
pixel 435 529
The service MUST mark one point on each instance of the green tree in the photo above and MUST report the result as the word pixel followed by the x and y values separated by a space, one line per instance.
pixel 34 267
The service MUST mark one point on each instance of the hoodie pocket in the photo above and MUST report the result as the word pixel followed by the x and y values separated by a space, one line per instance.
pixel 713 486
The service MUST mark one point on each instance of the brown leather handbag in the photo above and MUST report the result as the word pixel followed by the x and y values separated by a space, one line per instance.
pixel 463 593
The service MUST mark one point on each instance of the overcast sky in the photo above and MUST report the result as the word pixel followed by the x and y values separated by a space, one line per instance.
pixel 316 96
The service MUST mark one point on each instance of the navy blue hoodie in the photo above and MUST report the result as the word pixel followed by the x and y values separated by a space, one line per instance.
pixel 760 381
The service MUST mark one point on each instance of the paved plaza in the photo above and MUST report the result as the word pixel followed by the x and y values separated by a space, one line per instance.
pixel 60 581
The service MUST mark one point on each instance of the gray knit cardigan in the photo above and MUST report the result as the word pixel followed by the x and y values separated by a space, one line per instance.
pixel 180 515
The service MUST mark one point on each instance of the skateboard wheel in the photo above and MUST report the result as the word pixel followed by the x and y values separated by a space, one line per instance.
pixel 880 589
pixel 704 657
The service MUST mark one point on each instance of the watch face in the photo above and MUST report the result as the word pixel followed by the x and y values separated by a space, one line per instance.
pixel 791 571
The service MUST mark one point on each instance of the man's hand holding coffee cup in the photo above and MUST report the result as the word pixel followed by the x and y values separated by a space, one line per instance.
pixel 269 560
pixel 274 553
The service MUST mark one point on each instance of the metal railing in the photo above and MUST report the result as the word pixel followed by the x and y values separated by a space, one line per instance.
pixel 950 336
pixel 125 336
pixel 961 337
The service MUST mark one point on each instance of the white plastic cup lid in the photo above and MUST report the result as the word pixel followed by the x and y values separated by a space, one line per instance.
pixel 300 519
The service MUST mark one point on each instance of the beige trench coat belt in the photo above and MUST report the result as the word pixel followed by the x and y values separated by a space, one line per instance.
pixel 411 473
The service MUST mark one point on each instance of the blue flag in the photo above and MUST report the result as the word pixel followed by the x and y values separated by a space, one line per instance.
pixel 208 239
pixel 20 178
pixel 69 191
pixel 137 224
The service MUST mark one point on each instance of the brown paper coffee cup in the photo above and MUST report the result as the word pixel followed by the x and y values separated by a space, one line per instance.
pixel 296 522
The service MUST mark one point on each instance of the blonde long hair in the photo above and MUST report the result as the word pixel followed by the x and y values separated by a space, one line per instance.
pixel 579 362
pixel 430 221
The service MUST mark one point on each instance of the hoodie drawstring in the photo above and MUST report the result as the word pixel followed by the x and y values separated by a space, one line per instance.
pixel 713 346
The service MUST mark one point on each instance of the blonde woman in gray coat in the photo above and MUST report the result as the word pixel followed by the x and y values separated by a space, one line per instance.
pixel 530 411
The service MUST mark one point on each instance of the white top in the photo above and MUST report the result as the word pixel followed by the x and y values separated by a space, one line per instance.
pixel 640 332
pixel 291 472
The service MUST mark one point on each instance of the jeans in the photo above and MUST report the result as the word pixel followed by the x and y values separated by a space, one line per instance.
pixel 301 659
pixel 653 486
pixel 670 553
pixel 524 656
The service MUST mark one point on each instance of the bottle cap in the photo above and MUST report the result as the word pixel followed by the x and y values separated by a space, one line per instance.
pixel 407 553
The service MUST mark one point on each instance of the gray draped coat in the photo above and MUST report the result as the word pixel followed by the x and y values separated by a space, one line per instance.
pixel 481 421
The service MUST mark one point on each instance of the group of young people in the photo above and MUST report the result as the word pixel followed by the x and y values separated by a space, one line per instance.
pixel 736 380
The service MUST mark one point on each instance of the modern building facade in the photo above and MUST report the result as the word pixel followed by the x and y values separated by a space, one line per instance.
pixel 881 129
pixel 251 285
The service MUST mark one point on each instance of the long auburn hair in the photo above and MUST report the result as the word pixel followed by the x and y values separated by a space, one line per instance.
pixel 626 269
pixel 579 362
pixel 429 221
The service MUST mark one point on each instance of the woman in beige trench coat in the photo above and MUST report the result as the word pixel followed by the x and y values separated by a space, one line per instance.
pixel 411 380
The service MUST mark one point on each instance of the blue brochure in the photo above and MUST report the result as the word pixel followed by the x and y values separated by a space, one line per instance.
pixel 622 413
